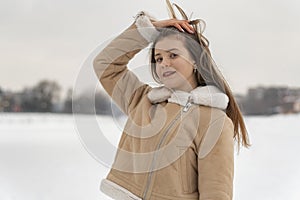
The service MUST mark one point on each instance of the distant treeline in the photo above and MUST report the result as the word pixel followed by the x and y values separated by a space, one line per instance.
pixel 45 96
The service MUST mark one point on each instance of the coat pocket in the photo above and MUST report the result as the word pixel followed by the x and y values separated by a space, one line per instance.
pixel 187 174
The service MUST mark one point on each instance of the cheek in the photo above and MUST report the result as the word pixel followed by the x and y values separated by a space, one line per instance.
pixel 183 66
pixel 189 70
pixel 158 70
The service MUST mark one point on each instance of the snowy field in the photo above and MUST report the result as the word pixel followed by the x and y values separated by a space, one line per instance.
pixel 42 158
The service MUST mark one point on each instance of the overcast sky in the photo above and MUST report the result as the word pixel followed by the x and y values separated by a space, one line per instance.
pixel 254 42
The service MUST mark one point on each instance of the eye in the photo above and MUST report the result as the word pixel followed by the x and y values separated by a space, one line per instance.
pixel 173 55
pixel 158 60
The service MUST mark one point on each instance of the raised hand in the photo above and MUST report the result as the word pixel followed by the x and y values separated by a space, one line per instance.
pixel 181 25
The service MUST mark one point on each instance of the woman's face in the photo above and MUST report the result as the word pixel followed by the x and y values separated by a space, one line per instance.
pixel 174 65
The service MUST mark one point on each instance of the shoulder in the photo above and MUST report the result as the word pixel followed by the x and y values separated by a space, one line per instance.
pixel 208 116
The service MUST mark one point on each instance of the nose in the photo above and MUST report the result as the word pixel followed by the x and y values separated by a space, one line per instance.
pixel 166 62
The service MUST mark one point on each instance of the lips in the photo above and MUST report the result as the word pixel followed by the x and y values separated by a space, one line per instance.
pixel 168 73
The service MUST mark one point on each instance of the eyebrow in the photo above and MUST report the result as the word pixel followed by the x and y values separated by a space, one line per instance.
pixel 166 51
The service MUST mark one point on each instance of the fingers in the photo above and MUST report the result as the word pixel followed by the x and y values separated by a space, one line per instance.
pixel 188 27
pixel 181 25
pixel 178 27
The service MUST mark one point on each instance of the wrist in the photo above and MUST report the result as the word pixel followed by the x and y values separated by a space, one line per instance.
pixel 145 25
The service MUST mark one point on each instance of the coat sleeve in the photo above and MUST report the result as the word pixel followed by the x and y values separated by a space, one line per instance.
pixel 216 161
pixel 110 66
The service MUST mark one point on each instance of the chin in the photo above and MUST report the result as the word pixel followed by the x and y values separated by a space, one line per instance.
pixel 174 83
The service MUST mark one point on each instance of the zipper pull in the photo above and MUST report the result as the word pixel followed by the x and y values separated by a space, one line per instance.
pixel 187 105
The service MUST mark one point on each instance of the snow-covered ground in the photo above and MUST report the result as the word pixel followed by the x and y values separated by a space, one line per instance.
pixel 42 158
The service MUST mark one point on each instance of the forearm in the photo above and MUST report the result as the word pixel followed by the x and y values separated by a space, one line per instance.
pixel 110 66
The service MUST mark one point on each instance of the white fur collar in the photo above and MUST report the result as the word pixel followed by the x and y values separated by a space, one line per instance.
pixel 206 95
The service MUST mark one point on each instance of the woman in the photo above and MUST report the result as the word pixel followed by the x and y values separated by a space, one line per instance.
pixel 178 142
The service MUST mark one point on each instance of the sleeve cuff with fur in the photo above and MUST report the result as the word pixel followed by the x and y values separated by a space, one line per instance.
pixel 145 26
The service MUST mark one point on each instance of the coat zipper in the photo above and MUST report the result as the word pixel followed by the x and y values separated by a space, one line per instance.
pixel 184 109
pixel 187 105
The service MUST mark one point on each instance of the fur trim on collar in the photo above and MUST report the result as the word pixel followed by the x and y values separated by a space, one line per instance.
pixel 206 95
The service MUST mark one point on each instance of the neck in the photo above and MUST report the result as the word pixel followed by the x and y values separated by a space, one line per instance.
pixel 188 87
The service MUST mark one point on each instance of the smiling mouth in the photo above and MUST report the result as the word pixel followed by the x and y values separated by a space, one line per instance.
pixel 169 73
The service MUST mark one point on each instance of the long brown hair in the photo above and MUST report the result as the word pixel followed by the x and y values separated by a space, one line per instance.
pixel 207 71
